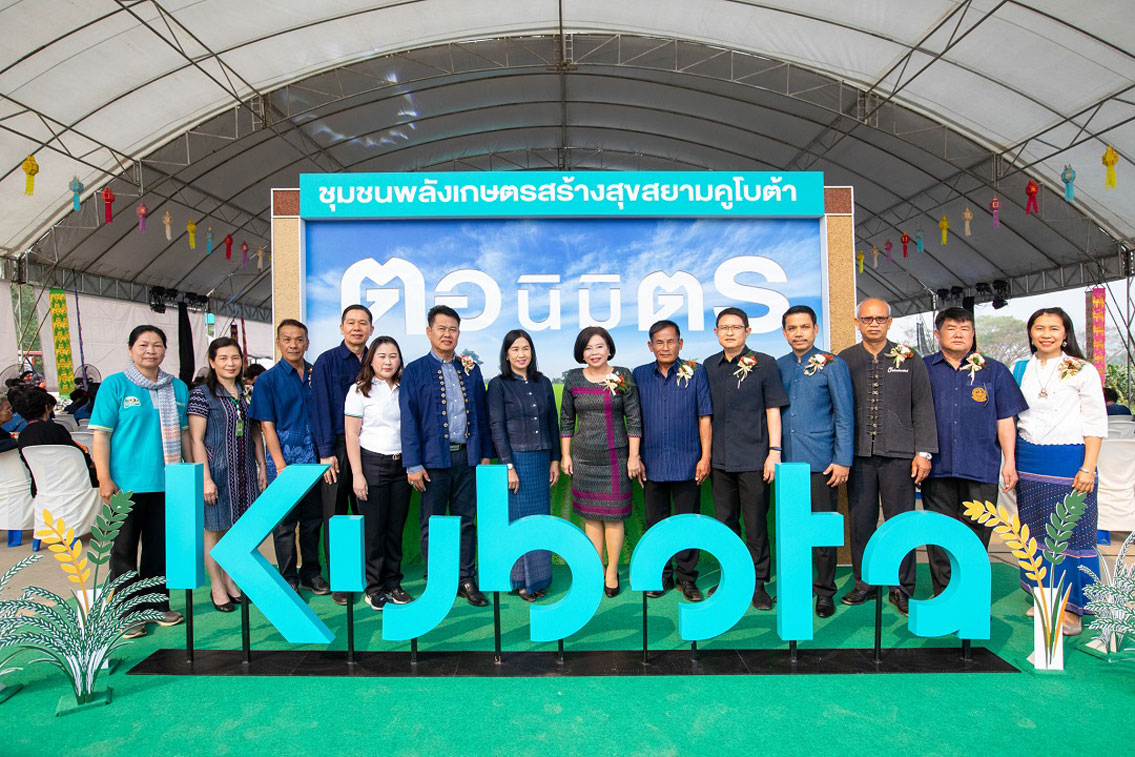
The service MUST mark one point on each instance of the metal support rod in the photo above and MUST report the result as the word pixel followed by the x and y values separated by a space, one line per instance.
pixel 792 655
pixel 878 626
pixel 694 651
pixel 350 628
pixel 245 631
pixel 645 653
pixel 497 626
pixel 189 626
pixel 967 652
pixel 560 652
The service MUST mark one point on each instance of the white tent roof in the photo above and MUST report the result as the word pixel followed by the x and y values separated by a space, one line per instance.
pixel 924 106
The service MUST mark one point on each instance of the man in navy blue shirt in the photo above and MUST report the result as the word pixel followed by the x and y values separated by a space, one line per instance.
pixel 334 372
pixel 445 435
pixel 975 400
pixel 281 403
pixel 677 435
pixel 817 429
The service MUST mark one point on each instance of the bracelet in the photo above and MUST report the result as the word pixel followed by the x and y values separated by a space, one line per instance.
pixel 1089 472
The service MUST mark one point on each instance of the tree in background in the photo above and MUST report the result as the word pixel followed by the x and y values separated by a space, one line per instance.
pixel 1003 338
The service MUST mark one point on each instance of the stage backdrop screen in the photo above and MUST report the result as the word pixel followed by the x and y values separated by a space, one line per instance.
pixel 552 276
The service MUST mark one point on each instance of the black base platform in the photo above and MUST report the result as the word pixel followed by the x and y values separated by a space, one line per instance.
pixel 224 662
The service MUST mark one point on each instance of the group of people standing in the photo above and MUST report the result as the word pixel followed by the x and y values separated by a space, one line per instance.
pixel 877 417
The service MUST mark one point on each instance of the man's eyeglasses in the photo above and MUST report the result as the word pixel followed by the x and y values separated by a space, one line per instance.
pixel 730 329
pixel 874 319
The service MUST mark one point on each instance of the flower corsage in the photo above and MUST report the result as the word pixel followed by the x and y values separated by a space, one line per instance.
pixel 817 363
pixel 744 366
pixel 899 353
pixel 467 363
pixel 686 371
pixel 973 363
pixel 1070 366
pixel 615 383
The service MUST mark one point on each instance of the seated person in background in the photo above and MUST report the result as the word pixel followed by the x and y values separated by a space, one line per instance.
pixel 1111 400
pixel 15 423
pixel 37 405
pixel 7 442
pixel 84 411
pixel 77 397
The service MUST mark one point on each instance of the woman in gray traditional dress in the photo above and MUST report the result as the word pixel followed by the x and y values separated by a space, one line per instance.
pixel 600 433
pixel 525 428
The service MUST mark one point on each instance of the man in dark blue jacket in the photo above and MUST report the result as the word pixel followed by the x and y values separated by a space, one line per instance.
pixel 445 434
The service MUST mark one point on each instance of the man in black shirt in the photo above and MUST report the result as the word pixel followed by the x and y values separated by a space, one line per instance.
pixel 747 394
pixel 895 434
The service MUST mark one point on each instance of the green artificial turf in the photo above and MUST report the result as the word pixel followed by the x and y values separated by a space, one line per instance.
pixel 1089 707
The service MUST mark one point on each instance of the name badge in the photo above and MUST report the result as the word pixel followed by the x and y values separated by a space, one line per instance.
pixel 129 402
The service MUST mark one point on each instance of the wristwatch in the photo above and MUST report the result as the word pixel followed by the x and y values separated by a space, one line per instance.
pixel 509 466
pixel 926 455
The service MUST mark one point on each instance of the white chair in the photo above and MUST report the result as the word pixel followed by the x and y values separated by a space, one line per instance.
pixel 85 438
pixel 66 421
pixel 16 503
pixel 1116 495
pixel 63 486
pixel 1120 427
pixel 84 422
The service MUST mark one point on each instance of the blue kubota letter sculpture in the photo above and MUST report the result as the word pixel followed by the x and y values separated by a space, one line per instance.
pixel 798 529
pixel 238 554
pixel 185 525
pixel 345 532
pixel 500 544
pixel 719 613
pixel 402 622
pixel 964 605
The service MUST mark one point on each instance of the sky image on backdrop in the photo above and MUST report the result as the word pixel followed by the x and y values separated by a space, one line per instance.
pixel 548 275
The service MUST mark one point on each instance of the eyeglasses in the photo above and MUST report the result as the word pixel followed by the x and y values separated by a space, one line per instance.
pixel 873 319
pixel 730 329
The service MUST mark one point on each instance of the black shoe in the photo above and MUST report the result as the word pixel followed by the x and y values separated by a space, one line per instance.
pixel 523 594
pixel 609 591
pixel 825 607
pixel 858 596
pixel 712 589
pixel 899 599
pixel 317 585
pixel 341 597
pixel 223 607
pixel 540 593
pixel 761 598
pixel 377 600
pixel 472 594
pixel 690 591
pixel 399 596
pixel 293 584
pixel 236 598
pixel 667 585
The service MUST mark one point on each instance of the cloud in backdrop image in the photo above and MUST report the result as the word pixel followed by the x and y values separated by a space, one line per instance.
pixel 554 276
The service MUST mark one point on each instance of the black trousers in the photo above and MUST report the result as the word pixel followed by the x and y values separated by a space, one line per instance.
pixel 873 480
pixel 145 525
pixel 946 495
pixel 686 498
pixel 825 499
pixel 308 514
pixel 453 491
pixel 384 518
pixel 339 497
pixel 745 494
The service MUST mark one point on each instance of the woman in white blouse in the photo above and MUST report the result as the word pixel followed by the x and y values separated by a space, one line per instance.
pixel 372 422
pixel 1060 436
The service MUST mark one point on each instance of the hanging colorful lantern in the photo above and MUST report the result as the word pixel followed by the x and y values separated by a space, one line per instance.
pixel 1110 159
pixel 1068 176
pixel 918 240
pixel 107 201
pixel 995 209
pixel 142 211
pixel 944 225
pixel 244 253
pixel 31 168
pixel 76 188
pixel 167 221
pixel 191 229
pixel 887 246
pixel 967 216
pixel 209 241
pixel 859 258
pixel 905 239
pixel 260 258
pixel 1032 189
pixel 228 246
pixel 874 256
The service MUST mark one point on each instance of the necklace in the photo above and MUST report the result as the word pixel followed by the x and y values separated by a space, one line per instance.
pixel 1043 394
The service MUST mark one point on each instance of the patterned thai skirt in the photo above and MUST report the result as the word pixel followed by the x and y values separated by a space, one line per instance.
pixel 1046 473
pixel 600 488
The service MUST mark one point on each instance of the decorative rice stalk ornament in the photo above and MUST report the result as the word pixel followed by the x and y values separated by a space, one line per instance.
pixel 1111 601
pixel 1049 600
pixel 79 640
